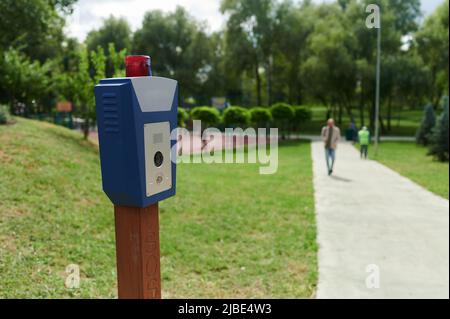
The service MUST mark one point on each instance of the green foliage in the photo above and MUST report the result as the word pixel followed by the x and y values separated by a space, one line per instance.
pixel 209 116
pixel 282 112
pixel 116 62
pixel 439 140
pixel 423 134
pixel 35 27
pixel 260 116
pixel 249 36
pixel 4 114
pixel 302 115
pixel 236 116
pixel 432 46
pixel 283 115
pixel 179 47
pixel 299 52
pixel 79 84
pixel 25 82
pixel 114 30
pixel 182 117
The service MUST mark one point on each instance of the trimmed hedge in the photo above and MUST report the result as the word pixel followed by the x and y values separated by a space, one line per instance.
pixel 302 114
pixel 236 116
pixel 282 112
pixel 260 116
pixel 209 116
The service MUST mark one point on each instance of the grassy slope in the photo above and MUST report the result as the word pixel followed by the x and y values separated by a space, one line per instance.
pixel 229 232
pixel 412 161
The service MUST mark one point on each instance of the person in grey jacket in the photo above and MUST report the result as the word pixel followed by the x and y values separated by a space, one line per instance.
pixel 331 136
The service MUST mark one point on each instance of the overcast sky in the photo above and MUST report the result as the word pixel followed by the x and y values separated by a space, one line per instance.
pixel 89 14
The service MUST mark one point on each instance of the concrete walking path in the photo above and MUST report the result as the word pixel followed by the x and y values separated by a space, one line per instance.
pixel 375 224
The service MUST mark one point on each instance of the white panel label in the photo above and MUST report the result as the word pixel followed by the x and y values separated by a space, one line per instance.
pixel 158 164
pixel 154 94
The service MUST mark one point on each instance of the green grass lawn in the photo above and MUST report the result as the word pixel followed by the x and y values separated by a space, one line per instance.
pixel 411 160
pixel 404 123
pixel 229 232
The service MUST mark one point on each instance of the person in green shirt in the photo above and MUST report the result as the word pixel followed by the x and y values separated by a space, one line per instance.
pixel 364 141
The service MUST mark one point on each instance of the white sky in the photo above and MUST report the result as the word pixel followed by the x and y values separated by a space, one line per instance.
pixel 89 14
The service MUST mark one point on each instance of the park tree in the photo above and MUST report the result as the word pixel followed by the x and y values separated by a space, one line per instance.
pixel 331 69
pixel 291 38
pixel 399 19
pixel 432 46
pixel 114 30
pixel 24 83
pixel 424 133
pixel 115 62
pixel 439 146
pixel 114 37
pixel 81 84
pixel 35 27
pixel 249 38
pixel 179 46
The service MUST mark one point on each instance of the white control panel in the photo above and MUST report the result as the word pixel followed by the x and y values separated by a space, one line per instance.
pixel 158 173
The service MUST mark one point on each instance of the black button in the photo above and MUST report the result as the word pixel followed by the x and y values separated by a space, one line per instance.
pixel 158 159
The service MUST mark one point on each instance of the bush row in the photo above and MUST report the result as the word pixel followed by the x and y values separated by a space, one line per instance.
pixel 284 116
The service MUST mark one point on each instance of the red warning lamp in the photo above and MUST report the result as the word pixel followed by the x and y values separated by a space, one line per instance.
pixel 138 65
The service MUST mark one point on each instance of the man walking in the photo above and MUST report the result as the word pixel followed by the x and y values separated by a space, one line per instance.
pixel 331 136
pixel 364 141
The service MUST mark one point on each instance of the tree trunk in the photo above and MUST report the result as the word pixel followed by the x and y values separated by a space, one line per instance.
pixel 86 128
pixel 389 119
pixel 382 126
pixel 258 85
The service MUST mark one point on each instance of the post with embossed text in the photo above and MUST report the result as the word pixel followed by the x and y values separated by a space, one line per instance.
pixel 135 116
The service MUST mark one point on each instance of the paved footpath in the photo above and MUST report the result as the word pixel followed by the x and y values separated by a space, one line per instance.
pixel 377 228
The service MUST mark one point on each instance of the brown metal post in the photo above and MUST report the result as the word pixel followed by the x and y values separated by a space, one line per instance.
pixel 138 252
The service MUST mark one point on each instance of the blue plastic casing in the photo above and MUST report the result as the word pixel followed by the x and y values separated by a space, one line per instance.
pixel 124 106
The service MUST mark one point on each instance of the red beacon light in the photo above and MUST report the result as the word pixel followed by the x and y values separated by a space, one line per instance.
pixel 138 65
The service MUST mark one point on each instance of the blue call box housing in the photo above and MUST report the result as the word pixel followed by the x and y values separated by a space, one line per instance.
pixel 136 117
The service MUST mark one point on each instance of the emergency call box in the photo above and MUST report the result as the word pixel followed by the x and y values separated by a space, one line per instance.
pixel 136 116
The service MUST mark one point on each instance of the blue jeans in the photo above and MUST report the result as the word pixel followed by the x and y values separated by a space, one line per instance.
pixel 330 157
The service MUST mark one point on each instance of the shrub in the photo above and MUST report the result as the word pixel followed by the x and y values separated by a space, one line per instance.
pixel 439 138
pixel 283 114
pixel 425 130
pixel 236 116
pixel 208 115
pixel 260 116
pixel 4 114
pixel 182 117
pixel 301 115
